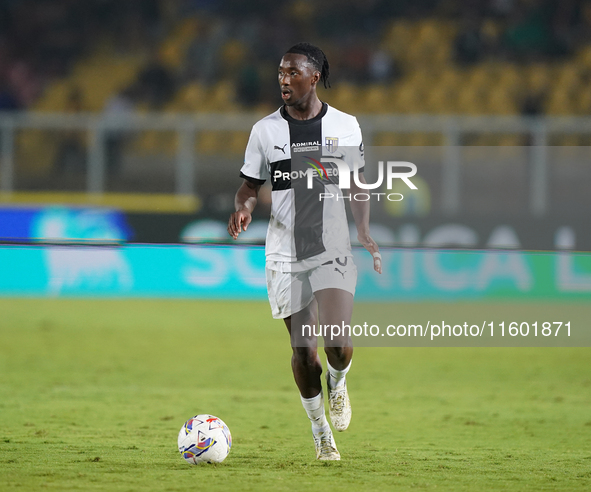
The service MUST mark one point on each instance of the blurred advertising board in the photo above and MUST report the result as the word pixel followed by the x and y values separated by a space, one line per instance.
pixel 60 223
pixel 237 272
pixel 57 224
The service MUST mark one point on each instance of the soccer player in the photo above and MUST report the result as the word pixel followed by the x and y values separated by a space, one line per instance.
pixel 305 147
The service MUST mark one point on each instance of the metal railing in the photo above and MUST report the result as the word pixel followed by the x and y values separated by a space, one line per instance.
pixel 187 127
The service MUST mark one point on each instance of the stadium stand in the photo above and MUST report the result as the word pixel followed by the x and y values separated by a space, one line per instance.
pixel 461 60
pixel 422 57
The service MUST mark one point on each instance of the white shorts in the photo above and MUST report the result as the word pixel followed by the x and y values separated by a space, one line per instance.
pixel 290 292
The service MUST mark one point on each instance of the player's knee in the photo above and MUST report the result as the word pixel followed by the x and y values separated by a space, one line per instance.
pixel 339 353
pixel 305 355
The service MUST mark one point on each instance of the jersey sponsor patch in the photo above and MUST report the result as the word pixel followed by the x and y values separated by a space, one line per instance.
pixel 305 146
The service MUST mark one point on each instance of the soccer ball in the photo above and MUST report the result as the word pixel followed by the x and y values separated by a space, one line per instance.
pixel 204 439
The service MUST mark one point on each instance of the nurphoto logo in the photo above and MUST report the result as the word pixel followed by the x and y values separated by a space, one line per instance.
pixel 393 171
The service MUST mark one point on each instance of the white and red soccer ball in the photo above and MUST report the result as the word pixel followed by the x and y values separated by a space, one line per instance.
pixel 204 439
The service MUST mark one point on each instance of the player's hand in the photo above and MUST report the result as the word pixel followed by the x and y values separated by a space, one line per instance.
pixel 238 222
pixel 370 245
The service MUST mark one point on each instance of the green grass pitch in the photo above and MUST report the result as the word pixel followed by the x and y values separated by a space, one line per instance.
pixel 94 392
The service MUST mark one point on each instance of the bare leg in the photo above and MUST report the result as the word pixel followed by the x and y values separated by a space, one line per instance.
pixel 305 363
pixel 335 307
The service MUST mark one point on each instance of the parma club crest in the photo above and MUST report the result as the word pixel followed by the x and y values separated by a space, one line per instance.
pixel 332 144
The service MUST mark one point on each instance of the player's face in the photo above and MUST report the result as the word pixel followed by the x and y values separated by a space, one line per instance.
pixel 297 78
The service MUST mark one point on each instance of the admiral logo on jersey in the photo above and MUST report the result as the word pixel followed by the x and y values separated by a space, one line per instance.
pixel 305 146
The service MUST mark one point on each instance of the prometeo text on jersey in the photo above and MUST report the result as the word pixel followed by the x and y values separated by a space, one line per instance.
pixel 343 172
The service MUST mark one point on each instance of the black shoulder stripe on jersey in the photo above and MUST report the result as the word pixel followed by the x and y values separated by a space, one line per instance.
pixel 252 180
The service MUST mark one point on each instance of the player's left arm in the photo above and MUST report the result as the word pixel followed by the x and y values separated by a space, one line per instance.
pixel 360 211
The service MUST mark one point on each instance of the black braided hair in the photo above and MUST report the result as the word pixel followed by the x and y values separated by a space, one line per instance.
pixel 316 57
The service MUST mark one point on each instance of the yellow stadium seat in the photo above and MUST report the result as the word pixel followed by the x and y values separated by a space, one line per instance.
pixel 173 49
pixel 567 140
pixel 346 97
pixel 190 98
pixel 221 97
pixel 441 55
pixel 388 139
pixel 376 99
pixel 383 139
pixel 481 76
pixel 584 56
pixel 233 52
pixel 407 99
pixel 237 142
pixel 407 139
pixel 428 31
pixel 221 142
pixel 560 103
pixel 492 29
pixel 500 100
pixel 36 151
pixel 425 139
pixel 90 76
pixel 441 99
pixel 153 142
pixel 511 140
pixel 449 78
pixel 567 76
pixel 584 102
pixel 54 97
pixel 399 36
pixel 538 77
pixel 209 142
pixel 471 100
pixel 510 77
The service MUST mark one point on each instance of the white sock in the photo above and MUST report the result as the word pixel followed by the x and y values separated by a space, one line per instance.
pixel 337 378
pixel 315 409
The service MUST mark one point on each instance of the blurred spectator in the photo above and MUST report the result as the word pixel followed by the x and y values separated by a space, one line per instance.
pixel 248 87
pixel 201 59
pixel 565 21
pixel 470 44
pixel 529 34
pixel 501 8
pixel 156 83
pixel 121 104
pixel 533 104
pixel 24 83
pixel 41 37
pixel 63 37
pixel 355 62
pixel 8 100
pixel 382 68
pixel 136 24
pixel 71 154
pixel 41 40
pixel 584 24
pixel 151 18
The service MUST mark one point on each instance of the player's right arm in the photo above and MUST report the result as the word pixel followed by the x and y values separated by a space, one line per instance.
pixel 244 202
pixel 255 172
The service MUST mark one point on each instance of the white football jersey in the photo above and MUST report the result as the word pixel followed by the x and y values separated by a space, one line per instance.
pixel 305 226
